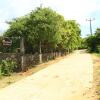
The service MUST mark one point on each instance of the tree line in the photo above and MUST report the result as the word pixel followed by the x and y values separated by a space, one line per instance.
pixel 43 30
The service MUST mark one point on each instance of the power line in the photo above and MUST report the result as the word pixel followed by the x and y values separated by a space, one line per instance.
pixel 90 21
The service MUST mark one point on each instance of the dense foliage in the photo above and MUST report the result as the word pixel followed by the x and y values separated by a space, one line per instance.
pixel 93 42
pixel 44 30
pixel 83 44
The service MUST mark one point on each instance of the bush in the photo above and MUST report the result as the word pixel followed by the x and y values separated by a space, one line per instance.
pixel 7 67
pixel 98 48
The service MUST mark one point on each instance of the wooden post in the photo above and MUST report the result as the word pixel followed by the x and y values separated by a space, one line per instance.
pixel 22 51
pixel 40 53
pixel 22 48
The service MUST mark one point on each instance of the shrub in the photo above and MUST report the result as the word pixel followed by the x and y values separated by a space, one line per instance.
pixel 7 67
pixel 98 48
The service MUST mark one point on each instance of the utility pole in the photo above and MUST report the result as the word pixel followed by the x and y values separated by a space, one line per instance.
pixel 41 5
pixel 90 21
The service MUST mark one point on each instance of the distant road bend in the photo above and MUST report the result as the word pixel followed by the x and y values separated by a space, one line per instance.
pixel 69 79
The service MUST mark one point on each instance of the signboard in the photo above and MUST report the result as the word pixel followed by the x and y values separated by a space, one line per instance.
pixel 7 41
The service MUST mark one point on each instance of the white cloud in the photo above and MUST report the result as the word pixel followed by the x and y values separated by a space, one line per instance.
pixel 73 9
pixel 3 18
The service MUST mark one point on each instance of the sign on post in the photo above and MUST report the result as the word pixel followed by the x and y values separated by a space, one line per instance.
pixel 7 41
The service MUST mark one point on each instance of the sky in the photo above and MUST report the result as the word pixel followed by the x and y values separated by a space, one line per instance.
pixel 78 10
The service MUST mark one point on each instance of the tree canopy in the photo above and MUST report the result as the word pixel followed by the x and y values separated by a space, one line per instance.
pixel 47 29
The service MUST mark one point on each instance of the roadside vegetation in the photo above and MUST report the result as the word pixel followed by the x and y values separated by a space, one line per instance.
pixel 7 67
pixel 93 42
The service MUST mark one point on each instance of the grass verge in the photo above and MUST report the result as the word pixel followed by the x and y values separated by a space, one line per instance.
pixel 96 62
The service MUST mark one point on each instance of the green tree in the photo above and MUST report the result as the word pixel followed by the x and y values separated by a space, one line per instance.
pixel 71 36
pixel 18 30
pixel 45 25
pixel 93 42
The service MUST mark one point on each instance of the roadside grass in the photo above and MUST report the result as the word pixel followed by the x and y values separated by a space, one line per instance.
pixel 96 73
pixel 97 54
pixel 7 80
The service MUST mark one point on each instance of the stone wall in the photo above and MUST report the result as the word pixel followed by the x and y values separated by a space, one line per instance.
pixel 28 60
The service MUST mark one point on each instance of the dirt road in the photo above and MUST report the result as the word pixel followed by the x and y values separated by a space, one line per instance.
pixel 69 79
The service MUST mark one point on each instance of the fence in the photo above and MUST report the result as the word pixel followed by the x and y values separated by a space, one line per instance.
pixel 27 60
